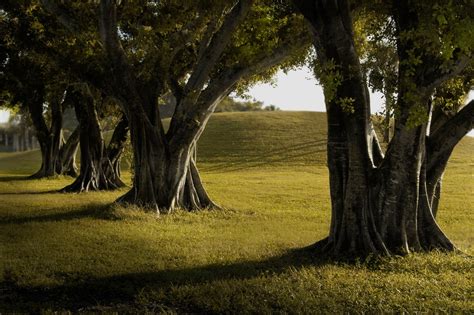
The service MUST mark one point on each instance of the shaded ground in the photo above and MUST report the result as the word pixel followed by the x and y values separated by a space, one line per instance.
pixel 75 252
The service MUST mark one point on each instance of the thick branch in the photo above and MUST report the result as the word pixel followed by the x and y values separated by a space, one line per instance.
pixel 457 68
pixel 206 40
pixel 220 87
pixel 444 140
pixel 218 43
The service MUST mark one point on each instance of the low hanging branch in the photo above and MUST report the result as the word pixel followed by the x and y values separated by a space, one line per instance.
pixel 443 141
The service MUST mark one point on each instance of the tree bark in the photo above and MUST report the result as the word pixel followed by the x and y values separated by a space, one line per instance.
pixel 165 172
pixel 51 141
pixel 380 204
pixel 68 154
pixel 97 172
pixel 165 176
pixel 117 146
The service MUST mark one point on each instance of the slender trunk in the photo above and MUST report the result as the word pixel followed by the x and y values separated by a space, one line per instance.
pixel 386 122
pixel 68 154
pixel 48 140
pixel 96 171
pixel 116 148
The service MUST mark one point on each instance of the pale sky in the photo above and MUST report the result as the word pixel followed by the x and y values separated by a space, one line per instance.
pixel 298 90
pixel 3 116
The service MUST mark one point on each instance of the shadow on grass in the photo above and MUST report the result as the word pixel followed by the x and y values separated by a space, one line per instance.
pixel 98 211
pixel 46 192
pixel 124 289
pixel 13 178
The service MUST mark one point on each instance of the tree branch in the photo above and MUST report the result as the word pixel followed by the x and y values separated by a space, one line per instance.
pixel 457 68
pixel 443 141
pixel 218 43
pixel 186 127
pixel 226 81
pixel 108 29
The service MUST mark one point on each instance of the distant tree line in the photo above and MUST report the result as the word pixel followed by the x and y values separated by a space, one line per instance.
pixel 230 104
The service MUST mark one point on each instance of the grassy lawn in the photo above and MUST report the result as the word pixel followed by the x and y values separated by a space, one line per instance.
pixel 75 252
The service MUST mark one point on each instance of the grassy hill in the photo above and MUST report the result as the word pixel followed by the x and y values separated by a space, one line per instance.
pixel 262 138
pixel 74 252
pixel 251 139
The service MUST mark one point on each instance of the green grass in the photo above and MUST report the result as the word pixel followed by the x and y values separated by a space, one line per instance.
pixel 74 252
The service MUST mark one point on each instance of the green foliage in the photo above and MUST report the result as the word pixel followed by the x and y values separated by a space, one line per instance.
pixel 347 104
pixel 328 73
pixel 435 37
pixel 451 96
pixel 376 45
pixel 60 253
pixel 418 115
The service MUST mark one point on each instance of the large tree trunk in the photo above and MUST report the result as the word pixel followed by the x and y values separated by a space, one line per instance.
pixel 165 176
pixel 377 207
pixel 97 172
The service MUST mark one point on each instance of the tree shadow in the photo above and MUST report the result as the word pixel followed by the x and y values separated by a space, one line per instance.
pixel 45 192
pixel 123 289
pixel 98 211
pixel 13 178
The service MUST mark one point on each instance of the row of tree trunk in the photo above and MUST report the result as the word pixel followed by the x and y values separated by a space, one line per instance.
pixel 57 155
pixel 381 203
pixel 99 164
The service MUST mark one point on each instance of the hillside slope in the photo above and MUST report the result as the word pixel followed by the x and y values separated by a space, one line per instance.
pixel 264 139
pixel 252 139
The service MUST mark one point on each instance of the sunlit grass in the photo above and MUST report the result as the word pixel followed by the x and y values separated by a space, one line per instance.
pixel 76 252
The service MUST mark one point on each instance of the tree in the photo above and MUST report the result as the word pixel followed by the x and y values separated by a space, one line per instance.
pixel 38 38
pixel 198 51
pixel 385 204
pixel 25 81
pixel 223 48
pixel 100 164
